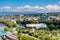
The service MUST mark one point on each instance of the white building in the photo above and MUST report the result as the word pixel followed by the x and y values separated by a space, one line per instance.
pixel 37 26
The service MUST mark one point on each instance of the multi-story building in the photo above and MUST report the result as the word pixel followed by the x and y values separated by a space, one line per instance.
pixel 21 17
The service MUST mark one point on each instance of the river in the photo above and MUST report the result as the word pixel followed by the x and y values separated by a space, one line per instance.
pixel 2 32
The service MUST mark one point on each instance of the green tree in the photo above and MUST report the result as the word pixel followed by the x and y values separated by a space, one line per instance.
pixel 51 26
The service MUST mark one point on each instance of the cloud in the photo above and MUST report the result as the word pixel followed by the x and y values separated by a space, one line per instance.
pixel 29 8
pixel 42 8
pixel 46 8
pixel 52 7
pixel 36 7
pixel 6 7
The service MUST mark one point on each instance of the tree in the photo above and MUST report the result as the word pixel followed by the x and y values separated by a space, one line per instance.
pixel 6 28
pixel 48 38
pixel 51 26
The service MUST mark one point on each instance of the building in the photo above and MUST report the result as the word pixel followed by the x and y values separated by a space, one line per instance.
pixel 37 26
pixel 44 17
pixel 53 18
pixel 21 17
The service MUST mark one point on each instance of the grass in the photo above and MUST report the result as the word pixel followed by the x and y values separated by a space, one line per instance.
pixel 56 38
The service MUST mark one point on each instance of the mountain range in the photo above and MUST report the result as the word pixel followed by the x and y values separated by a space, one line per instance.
pixel 16 13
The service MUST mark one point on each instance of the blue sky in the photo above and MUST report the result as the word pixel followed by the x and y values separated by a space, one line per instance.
pixel 30 5
pixel 27 2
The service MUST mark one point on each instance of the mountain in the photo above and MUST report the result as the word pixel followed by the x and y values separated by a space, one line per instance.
pixel 16 13
pixel 35 13
pixel 53 13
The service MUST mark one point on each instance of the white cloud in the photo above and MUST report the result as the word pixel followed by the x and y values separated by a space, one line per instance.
pixel 36 7
pixel 27 6
pixel 6 7
pixel 47 8
pixel 52 7
pixel 42 8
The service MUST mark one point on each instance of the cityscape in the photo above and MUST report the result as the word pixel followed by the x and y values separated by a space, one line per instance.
pixel 29 20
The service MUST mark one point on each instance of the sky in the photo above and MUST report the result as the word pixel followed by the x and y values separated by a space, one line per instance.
pixel 30 5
